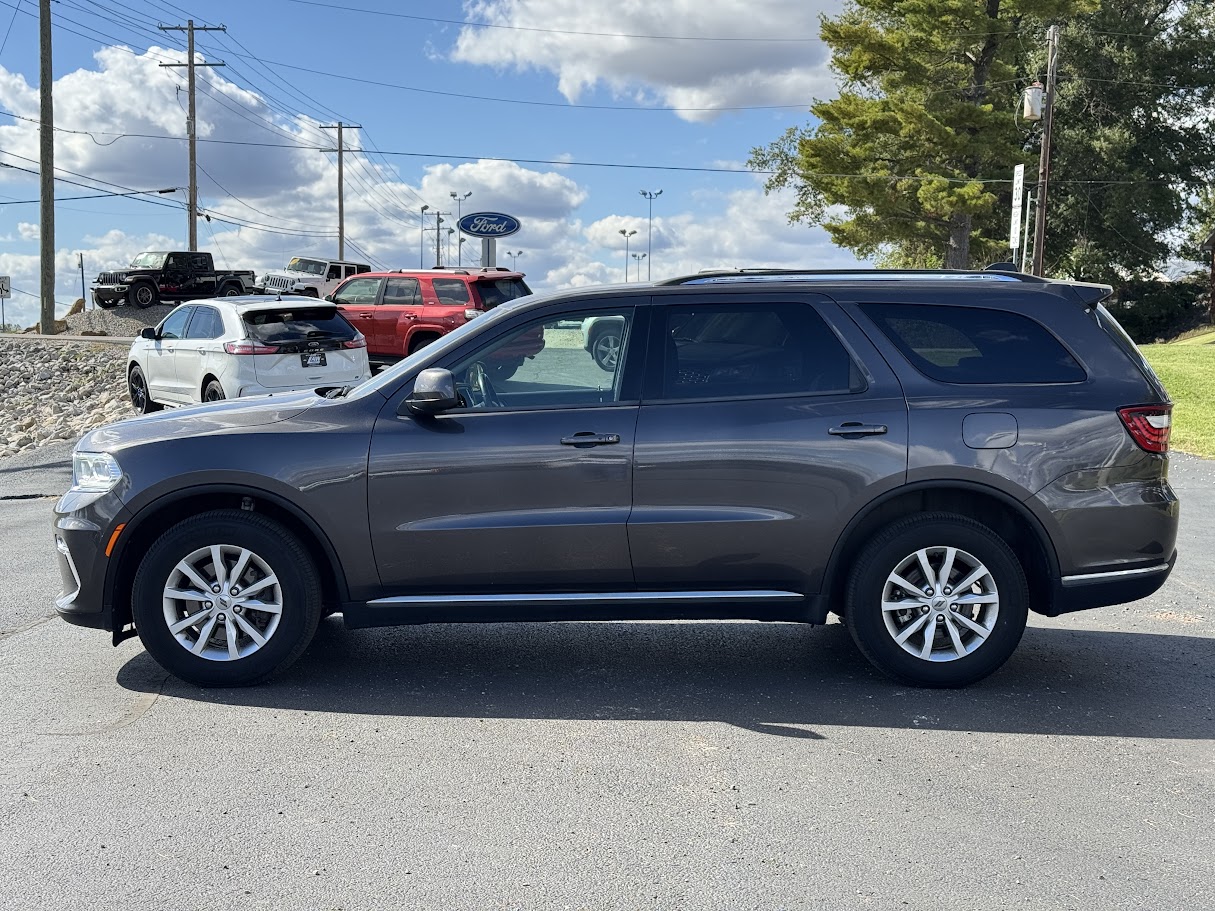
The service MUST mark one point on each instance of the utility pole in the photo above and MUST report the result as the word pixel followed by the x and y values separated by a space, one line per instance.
pixel 341 150
pixel 1048 117
pixel 192 120
pixel 46 167
pixel 83 297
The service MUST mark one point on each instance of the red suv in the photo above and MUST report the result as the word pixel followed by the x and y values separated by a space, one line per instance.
pixel 400 312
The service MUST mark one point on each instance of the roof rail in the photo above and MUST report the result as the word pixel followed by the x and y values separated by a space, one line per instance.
pixel 715 276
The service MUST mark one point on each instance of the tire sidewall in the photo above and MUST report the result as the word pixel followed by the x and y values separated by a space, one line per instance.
pixel 863 614
pixel 207 388
pixel 148 405
pixel 595 355
pixel 281 551
pixel 133 295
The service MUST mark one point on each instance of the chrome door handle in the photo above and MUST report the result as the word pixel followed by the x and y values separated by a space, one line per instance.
pixel 856 428
pixel 366 315
pixel 589 438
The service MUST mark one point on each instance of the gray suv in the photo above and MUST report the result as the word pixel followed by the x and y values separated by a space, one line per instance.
pixel 930 455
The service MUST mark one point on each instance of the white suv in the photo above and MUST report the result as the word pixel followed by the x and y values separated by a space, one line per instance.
pixel 209 350
pixel 313 277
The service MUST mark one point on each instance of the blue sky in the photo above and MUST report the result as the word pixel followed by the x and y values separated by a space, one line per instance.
pixel 555 111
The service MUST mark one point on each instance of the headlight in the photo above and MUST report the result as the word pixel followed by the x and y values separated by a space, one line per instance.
pixel 94 471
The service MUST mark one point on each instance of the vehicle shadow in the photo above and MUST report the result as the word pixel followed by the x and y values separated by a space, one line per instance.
pixel 779 679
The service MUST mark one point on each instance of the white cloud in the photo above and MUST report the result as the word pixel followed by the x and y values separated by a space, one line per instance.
pixel 27 230
pixel 585 45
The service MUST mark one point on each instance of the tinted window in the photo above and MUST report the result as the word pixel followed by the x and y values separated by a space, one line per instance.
pixel 402 291
pixel 501 291
pixel 975 345
pixel 358 291
pixel 207 323
pixel 763 349
pixel 451 291
pixel 174 325
pixel 290 324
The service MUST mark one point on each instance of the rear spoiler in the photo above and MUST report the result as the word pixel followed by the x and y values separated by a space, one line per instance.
pixel 1089 293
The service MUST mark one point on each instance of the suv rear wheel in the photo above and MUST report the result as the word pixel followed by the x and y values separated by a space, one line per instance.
pixel 226 598
pixel 937 600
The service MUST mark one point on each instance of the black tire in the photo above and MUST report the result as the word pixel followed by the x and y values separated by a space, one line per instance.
pixel 137 389
pixel 296 589
pixel 605 348
pixel 310 292
pixel 213 392
pixel 421 341
pixel 143 295
pixel 874 629
pixel 231 290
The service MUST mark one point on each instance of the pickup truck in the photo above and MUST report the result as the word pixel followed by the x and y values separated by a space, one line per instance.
pixel 311 277
pixel 168 276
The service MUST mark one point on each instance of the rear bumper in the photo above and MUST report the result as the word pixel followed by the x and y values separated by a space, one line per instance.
pixel 1088 590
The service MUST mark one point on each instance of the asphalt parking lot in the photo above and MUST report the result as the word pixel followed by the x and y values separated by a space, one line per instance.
pixel 608 765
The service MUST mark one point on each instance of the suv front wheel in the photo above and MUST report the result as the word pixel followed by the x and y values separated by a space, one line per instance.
pixel 226 598
pixel 937 600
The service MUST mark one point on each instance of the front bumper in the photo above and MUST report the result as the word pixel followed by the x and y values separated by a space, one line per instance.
pixel 83 525
pixel 109 294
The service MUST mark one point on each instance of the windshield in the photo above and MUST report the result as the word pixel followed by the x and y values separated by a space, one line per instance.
pixel 148 261
pixel 311 266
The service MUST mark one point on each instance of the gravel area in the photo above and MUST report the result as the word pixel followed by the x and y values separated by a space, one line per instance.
pixel 55 392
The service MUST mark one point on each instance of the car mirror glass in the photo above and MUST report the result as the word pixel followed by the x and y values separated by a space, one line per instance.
pixel 148 332
pixel 433 391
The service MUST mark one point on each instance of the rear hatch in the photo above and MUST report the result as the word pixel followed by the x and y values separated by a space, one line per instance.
pixel 295 346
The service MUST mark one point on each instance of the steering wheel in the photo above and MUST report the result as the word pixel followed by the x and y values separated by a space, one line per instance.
pixel 481 392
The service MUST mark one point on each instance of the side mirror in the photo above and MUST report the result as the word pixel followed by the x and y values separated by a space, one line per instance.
pixel 433 391
pixel 149 332
pixel 329 297
pixel 471 314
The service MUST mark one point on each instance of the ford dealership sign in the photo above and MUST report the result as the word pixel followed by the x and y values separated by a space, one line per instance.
pixel 489 224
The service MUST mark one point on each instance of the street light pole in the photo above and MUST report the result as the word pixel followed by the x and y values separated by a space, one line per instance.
pixel 459 214
pixel 422 238
pixel 514 259
pixel 626 235
pixel 639 257
pixel 651 196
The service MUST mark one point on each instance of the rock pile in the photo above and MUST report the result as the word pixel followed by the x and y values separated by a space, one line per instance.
pixel 55 392
pixel 125 322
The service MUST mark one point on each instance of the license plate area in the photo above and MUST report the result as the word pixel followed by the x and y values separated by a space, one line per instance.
pixel 313 359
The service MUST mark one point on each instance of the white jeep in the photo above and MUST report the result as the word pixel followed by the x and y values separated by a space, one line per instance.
pixel 312 277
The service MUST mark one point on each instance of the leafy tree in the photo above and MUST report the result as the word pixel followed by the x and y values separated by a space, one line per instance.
pixel 1133 157
pixel 927 113
pixel 926 109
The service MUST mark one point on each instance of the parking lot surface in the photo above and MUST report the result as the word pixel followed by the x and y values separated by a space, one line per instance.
pixel 713 765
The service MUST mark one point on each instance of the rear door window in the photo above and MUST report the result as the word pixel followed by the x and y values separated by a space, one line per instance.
pixel 206 324
pixel 975 345
pixel 729 350
pixel 402 292
pixel 293 324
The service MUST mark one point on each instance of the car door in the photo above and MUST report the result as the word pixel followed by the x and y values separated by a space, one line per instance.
pixel 161 371
pixel 398 309
pixel 198 353
pixel 356 299
pixel 767 421
pixel 528 487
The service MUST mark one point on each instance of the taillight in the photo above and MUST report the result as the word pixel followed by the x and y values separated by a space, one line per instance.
pixel 1148 425
pixel 247 346
pixel 359 341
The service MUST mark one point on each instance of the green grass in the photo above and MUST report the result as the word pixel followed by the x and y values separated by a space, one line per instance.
pixel 1188 372
pixel 1204 336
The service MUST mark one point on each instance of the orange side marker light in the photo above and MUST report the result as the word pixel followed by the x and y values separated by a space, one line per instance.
pixel 109 548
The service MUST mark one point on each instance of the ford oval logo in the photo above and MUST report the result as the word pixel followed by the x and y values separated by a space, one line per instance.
pixel 489 224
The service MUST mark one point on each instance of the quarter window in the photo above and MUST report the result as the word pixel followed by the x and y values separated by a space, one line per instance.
pixel 451 291
pixel 975 345
pixel 721 351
